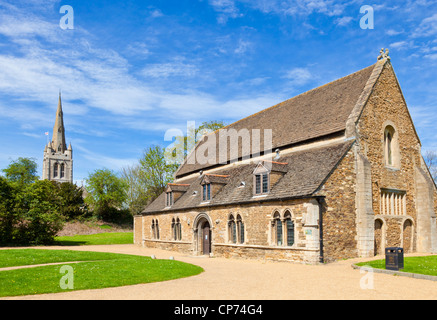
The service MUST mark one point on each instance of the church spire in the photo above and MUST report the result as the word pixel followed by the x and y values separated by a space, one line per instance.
pixel 58 140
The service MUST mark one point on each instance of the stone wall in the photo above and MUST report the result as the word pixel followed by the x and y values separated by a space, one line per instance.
pixel 339 212
pixel 386 107
pixel 258 231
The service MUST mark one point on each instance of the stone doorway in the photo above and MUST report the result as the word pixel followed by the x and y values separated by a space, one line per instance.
pixel 206 238
pixel 202 235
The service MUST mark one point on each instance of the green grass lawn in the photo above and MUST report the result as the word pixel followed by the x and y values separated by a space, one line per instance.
pixel 420 265
pixel 96 239
pixel 96 270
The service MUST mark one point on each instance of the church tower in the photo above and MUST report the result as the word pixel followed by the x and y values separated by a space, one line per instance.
pixel 58 159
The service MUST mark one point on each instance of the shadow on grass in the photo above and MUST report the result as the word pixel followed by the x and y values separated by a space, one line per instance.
pixel 63 243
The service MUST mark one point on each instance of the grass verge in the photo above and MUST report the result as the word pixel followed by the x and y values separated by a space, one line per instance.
pixel 96 239
pixel 420 265
pixel 97 270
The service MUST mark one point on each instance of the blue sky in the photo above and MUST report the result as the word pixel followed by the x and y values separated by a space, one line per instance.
pixel 131 70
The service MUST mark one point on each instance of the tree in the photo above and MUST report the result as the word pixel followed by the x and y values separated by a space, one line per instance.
pixel 22 171
pixel 70 197
pixel 431 162
pixel 8 216
pixel 210 126
pixel 155 172
pixel 137 197
pixel 106 193
pixel 37 205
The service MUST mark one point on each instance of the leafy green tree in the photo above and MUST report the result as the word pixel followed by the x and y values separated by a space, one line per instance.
pixel 155 172
pixel 71 202
pixel 22 171
pixel 106 193
pixel 38 207
pixel 8 216
pixel 137 197
pixel 208 126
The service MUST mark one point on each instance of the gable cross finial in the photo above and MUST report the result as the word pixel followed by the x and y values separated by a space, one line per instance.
pixel 383 55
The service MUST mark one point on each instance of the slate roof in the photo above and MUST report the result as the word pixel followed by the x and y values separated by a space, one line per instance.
pixel 300 180
pixel 318 112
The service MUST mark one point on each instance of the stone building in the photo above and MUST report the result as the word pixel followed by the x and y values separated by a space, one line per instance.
pixel 338 174
pixel 58 159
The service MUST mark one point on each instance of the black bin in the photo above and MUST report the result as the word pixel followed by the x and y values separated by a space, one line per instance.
pixel 394 258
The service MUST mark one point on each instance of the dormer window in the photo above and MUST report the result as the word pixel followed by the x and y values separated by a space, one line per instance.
pixel 169 199
pixel 206 195
pixel 211 185
pixel 261 183
pixel 173 192
pixel 266 175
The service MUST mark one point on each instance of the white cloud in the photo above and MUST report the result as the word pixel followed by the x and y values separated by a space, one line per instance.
pixel 428 27
pixel 165 70
pixel 344 21
pixel 226 8
pixel 392 32
pixel 297 7
pixel 400 45
pixel 299 76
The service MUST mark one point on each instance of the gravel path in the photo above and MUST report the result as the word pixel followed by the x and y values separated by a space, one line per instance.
pixel 230 279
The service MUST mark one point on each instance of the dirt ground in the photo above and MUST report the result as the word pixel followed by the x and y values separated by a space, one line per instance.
pixel 230 279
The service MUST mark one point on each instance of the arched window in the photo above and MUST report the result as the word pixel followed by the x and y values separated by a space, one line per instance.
pixel 156 229
pixel 240 228
pixel 62 171
pixel 55 170
pixel 289 223
pixel 173 229
pixel 153 229
pixel 232 229
pixel 277 229
pixel 178 229
pixel 391 148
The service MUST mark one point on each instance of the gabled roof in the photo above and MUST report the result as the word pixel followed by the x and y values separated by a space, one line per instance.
pixel 311 115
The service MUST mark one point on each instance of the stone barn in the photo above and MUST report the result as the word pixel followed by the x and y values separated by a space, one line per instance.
pixel 333 173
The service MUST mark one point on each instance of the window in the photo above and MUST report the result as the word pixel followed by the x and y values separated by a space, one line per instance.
pixel 278 224
pixel 232 229
pixel 235 229
pixel 55 170
pixel 290 229
pixel 62 173
pixel 176 229
pixel 169 199
pixel 391 149
pixel 206 192
pixel 261 183
pixel 155 229
pixel 240 227
pixel 283 230
pixel 173 228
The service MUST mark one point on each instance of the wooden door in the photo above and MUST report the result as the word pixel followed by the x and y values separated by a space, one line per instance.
pixel 206 233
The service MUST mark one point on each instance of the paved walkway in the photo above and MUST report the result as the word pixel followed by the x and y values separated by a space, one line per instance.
pixel 231 279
